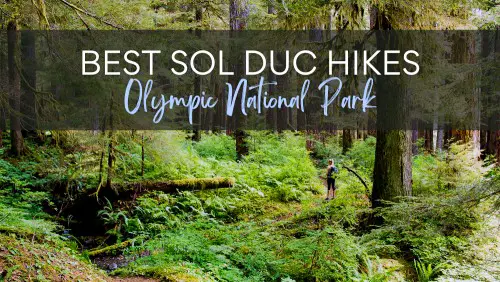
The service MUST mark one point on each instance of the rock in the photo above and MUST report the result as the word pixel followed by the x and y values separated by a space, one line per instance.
pixel 113 266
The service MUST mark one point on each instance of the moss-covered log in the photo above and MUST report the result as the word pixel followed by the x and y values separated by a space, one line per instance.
pixel 109 250
pixel 173 186
pixel 85 207
pixel 126 191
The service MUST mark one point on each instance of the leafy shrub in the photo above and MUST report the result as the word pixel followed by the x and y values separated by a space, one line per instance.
pixel 425 272
pixel 430 229
pixel 220 147
pixel 447 170
pixel 328 148
pixel 247 252
pixel 362 155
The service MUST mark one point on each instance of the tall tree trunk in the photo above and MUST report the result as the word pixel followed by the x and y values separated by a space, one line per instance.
pixel 346 140
pixel 271 114
pixel 197 81
pixel 392 172
pixel 101 160
pixel 490 139
pixel 414 137
pixel 238 15
pixel 439 140
pixel 3 86
pixel 219 116
pixel 142 155
pixel 111 152
pixel 28 85
pixel 16 137
pixel 282 80
pixel 392 175
pixel 495 140
pixel 437 131
pixel 462 52
pixel 428 140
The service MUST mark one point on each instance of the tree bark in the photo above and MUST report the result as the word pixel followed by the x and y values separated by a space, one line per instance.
pixel 197 82
pixel 462 52
pixel 414 137
pixel 490 142
pixel 3 87
pixel 392 172
pixel 16 137
pixel 346 140
pixel 111 153
pixel 392 175
pixel 238 15
pixel 142 155
pixel 428 134
pixel 28 84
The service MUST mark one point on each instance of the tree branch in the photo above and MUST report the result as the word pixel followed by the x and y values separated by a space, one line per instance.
pixel 78 9
pixel 360 179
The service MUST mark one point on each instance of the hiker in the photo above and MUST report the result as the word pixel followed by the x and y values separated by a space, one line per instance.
pixel 331 172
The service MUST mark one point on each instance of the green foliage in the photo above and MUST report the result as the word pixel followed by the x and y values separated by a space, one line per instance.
pixel 20 207
pixel 20 176
pixel 35 259
pixel 430 229
pixel 114 218
pixel 271 225
pixel 362 153
pixel 247 252
pixel 449 169
pixel 425 273
pixel 327 149
pixel 219 147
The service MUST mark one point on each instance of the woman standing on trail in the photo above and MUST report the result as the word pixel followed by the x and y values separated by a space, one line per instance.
pixel 330 179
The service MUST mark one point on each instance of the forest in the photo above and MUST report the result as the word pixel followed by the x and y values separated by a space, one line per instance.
pixel 418 201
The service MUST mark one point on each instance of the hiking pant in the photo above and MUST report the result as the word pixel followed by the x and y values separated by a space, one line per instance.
pixel 331 183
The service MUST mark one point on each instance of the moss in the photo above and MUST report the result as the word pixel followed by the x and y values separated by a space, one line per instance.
pixel 172 186
pixel 22 259
pixel 109 249
pixel 202 183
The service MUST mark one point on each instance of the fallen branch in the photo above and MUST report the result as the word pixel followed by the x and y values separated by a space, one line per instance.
pixel 367 190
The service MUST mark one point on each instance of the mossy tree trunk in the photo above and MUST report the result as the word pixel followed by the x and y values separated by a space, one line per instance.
pixel 16 138
pixel 392 175
pixel 392 172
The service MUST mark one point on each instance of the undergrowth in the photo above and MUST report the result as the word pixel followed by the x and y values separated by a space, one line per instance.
pixel 272 225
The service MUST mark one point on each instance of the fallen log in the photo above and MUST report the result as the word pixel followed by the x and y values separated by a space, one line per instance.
pixel 174 186
pixel 109 250
pixel 130 190
pixel 85 207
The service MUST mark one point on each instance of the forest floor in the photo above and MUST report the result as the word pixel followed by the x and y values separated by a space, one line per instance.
pixel 285 213
pixel 482 260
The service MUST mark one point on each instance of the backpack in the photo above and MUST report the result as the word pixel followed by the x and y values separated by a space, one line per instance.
pixel 331 171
